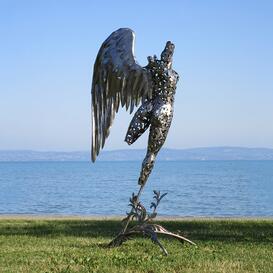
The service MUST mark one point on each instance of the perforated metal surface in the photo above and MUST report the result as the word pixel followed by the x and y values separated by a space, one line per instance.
pixel 119 79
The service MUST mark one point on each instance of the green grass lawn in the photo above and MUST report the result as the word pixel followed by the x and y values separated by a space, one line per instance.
pixel 79 246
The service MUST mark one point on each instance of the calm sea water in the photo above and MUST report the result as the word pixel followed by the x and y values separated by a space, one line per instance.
pixel 195 188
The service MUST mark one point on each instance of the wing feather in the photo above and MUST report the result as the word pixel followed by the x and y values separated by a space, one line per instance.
pixel 117 79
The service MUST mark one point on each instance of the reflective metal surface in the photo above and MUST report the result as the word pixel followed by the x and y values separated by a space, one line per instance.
pixel 118 79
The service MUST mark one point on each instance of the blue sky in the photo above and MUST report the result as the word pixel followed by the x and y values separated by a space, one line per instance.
pixel 224 55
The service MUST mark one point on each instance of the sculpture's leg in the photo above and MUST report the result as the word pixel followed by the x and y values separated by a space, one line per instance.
pixel 139 123
pixel 157 137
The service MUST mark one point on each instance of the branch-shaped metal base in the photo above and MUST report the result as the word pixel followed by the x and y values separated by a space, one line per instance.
pixel 150 230
pixel 144 226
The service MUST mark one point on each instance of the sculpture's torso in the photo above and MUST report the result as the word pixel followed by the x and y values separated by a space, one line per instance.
pixel 156 112
pixel 164 80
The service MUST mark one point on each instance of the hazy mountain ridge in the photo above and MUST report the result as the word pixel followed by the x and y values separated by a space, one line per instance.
pixel 210 153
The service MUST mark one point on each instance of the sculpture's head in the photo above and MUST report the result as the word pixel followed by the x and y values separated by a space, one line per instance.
pixel 167 54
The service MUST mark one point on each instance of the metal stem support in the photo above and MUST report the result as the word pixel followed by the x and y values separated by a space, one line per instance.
pixel 130 218
pixel 143 225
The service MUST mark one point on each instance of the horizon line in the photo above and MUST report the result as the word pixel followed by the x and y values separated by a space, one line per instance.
pixel 134 149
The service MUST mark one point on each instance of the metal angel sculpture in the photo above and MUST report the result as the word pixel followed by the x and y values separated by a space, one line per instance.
pixel 118 80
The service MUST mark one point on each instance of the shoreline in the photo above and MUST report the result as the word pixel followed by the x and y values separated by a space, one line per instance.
pixel 119 217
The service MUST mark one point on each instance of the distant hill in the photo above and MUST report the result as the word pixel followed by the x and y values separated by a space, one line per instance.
pixel 211 153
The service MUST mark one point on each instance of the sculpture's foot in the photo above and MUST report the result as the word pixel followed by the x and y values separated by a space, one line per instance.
pixel 150 230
